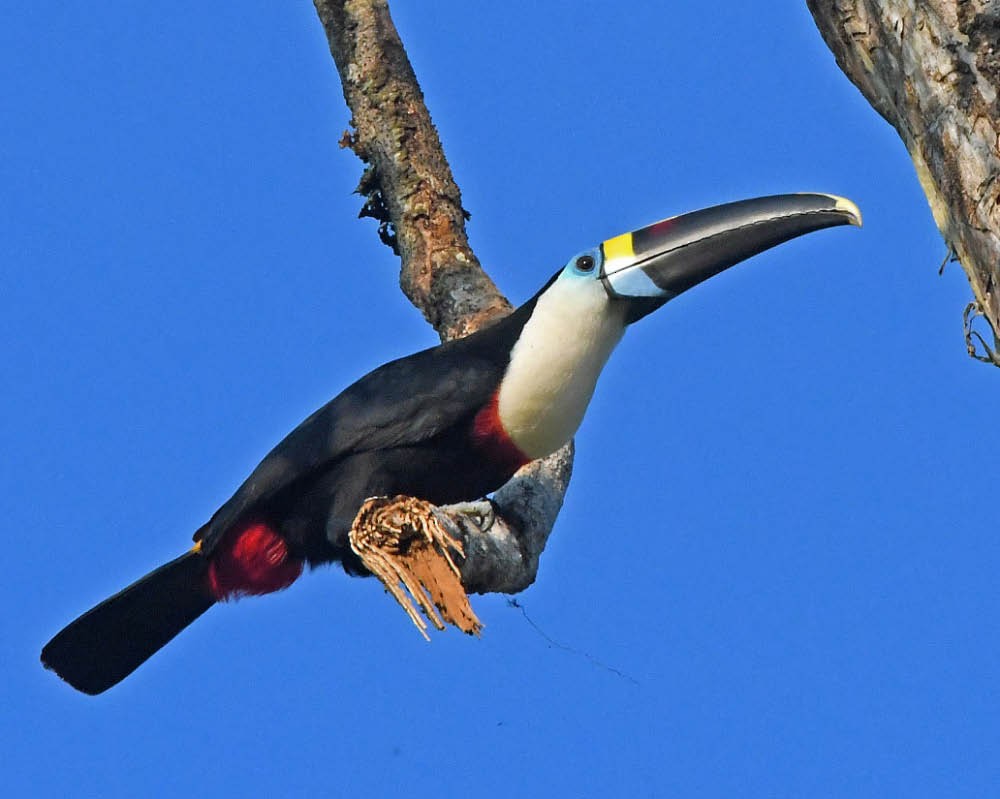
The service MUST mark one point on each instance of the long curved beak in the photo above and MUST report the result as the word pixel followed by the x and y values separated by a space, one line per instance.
pixel 654 264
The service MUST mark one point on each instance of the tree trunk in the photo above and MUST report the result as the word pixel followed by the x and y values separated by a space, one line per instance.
pixel 410 190
pixel 932 69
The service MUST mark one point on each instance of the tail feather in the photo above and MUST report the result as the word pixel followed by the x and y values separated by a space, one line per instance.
pixel 110 641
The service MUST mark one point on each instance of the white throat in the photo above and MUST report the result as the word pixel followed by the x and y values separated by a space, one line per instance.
pixel 555 364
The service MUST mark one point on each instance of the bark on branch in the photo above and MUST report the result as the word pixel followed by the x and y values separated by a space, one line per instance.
pixel 932 69
pixel 410 190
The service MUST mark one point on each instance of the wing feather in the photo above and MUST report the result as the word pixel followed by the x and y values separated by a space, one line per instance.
pixel 401 403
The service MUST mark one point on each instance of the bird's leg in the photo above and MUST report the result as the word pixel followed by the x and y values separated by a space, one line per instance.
pixel 404 542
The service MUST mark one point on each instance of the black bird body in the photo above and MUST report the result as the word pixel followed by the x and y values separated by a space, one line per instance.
pixel 447 424
pixel 408 427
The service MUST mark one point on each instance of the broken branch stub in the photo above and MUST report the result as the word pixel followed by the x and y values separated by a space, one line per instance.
pixel 402 541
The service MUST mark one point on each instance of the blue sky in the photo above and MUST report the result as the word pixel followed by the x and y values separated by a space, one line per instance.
pixel 779 524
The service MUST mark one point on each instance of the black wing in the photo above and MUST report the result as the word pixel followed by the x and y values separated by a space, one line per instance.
pixel 401 403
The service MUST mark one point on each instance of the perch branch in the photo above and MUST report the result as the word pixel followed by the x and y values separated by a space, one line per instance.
pixel 410 190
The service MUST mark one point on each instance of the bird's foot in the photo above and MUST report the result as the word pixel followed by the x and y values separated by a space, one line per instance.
pixel 481 514
pixel 403 542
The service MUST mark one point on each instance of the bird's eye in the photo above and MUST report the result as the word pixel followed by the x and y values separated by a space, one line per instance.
pixel 585 263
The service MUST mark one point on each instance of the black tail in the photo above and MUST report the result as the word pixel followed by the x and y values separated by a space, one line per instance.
pixel 110 641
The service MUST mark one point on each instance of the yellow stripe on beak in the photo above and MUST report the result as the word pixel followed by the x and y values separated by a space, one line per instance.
pixel 618 249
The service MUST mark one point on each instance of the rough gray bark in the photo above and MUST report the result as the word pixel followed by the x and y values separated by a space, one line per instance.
pixel 503 557
pixel 932 69
pixel 410 190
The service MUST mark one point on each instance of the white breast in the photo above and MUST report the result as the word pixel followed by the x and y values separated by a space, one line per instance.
pixel 555 364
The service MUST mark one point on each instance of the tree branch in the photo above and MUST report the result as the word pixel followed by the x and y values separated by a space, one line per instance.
pixel 932 69
pixel 411 192
pixel 408 182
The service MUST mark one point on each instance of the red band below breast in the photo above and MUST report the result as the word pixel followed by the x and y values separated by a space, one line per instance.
pixel 489 435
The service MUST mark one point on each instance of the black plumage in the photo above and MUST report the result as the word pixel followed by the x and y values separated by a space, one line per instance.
pixel 404 428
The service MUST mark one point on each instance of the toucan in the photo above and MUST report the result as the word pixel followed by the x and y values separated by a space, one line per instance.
pixel 448 424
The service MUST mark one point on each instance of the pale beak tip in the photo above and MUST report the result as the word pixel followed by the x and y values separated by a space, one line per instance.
pixel 848 208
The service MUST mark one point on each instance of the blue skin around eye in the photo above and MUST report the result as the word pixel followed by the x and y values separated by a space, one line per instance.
pixel 595 271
